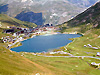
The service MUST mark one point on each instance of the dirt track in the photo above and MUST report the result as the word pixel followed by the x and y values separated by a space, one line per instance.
pixel 45 71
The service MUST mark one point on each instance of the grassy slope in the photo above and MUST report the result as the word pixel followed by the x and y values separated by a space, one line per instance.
pixel 85 21
pixel 77 47
pixel 12 63
pixel 64 66
pixel 91 15
pixel 9 21
pixel 87 28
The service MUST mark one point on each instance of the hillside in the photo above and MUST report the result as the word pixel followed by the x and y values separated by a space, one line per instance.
pixel 30 17
pixel 87 24
pixel 83 3
pixel 12 63
pixel 9 21
pixel 91 15
pixel 53 11
pixel 87 20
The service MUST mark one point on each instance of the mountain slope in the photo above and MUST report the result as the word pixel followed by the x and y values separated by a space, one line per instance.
pixel 9 21
pixel 11 63
pixel 54 11
pixel 91 15
pixel 3 8
pixel 87 24
pixel 31 17
pixel 83 3
pixel 87 20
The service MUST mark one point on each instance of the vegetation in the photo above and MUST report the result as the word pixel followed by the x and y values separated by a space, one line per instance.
pixel 63 66
pixel 9 21
pixel 12 63
pixel 88 24
pixel 90 37
pixel 89 27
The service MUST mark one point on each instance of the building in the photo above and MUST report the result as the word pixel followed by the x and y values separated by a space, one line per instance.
pixel 95 64
pixel 98 54
pixel 9 31
pixel 89 45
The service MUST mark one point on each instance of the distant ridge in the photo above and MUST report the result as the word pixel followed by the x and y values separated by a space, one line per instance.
pixel 30 17
pixel 9 21
pixel 53 11
pixel 91 15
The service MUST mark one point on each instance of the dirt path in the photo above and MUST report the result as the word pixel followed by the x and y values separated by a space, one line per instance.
pixel 45 70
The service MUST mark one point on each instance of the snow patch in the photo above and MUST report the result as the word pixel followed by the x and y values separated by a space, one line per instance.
pixel 24 0
pixel 54 14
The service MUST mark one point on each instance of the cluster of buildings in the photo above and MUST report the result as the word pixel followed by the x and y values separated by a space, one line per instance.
pixel 27 31
pixel 20 34
pixel 88 45
pixel 11 40
pixel 17 31
pixel 8 39
pixel 43 29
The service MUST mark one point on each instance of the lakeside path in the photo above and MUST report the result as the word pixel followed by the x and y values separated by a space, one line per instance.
pixel 72 56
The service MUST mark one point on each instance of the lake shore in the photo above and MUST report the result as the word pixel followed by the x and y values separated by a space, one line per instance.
pixel 19 41
pixel 43 35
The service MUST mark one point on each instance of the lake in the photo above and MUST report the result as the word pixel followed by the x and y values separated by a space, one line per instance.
pixel 45 43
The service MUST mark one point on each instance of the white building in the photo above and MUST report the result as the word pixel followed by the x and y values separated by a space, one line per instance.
pixel 93 63
pixel 98 53
pixel 89 45
pixel 14 34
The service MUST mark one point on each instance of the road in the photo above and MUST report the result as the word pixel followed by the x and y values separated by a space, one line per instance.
pixel 72 56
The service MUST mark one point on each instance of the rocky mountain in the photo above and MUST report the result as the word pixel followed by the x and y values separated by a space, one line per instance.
pixel 3 8
pixel 53 11
pixel 91 15
pixel 9 21
pixel 87 20
pixel 31 17
pixel 83 3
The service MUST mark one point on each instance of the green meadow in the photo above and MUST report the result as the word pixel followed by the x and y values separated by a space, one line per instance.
pixel 64 66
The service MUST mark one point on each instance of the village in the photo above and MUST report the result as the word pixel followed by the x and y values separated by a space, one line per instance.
pixel 20 34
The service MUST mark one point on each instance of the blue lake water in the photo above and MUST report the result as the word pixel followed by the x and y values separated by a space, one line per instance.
pixel 45 43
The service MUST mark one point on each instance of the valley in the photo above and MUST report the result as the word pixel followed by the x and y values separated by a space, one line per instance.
pixel 53 11
pixel 79 57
